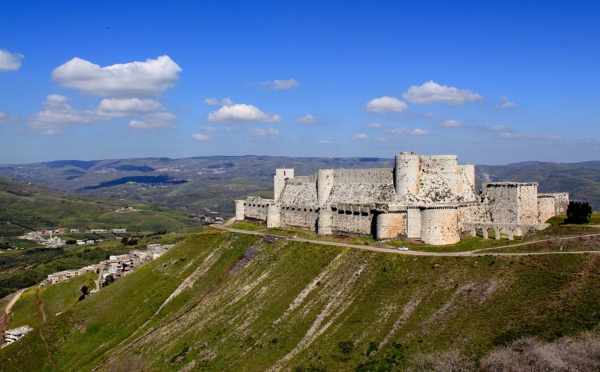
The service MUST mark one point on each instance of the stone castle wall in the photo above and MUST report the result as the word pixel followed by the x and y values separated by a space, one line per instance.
pixel 300 192
pixel 439 225
pixel 431 198
pixel 353 220
pixel 391 225
pixel 256 208
pixel 528 203
pixel 546 207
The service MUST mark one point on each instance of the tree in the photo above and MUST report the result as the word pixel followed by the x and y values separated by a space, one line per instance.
pixel 578 212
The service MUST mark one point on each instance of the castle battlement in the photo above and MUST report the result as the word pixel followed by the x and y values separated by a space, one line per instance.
pixel 429 197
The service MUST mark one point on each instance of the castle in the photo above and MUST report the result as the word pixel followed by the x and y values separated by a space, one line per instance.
pixel 426 197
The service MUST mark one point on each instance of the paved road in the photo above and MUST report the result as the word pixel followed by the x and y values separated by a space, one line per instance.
pixel 476 252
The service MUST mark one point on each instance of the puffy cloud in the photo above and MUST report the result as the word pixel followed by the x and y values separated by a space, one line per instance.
pixel 57 114
pixel 264 134
pixel 386 105
pixel 506 103
pixel 360 136
pixel 242 113
pixel 307 119
pixel 280 84
pixel 215 102
pixel 10 61
pixel 133 79
pixel 155 120
pixel 432 92
pixel 451 124
pixel 201 137
pixel 120 108
pixel 375 126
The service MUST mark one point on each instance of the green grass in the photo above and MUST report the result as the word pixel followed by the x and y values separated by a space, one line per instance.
pixel 350 301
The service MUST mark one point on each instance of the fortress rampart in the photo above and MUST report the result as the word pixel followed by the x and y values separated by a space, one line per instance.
pixel 427 197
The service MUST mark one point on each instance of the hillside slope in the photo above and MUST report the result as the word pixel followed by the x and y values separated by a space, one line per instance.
pixel 311 307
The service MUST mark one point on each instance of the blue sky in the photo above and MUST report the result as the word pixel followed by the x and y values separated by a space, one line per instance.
pixel 494 82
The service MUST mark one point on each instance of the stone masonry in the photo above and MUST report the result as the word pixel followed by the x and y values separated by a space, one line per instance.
pixel 427 197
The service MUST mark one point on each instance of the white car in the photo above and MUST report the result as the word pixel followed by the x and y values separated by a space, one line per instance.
pixel 403 248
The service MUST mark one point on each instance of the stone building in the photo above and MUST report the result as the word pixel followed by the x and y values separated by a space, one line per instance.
pixel 427 197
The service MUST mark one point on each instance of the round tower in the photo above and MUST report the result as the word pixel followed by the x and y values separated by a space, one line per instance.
pixel 439 226
pixel 324 185
pixel 281 175
pixel 407 173
pixel 325 221
pixel 240 210
pixel 273 216
pixel 447 167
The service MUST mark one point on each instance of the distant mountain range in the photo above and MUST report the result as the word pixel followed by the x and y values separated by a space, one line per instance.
pixel 211 183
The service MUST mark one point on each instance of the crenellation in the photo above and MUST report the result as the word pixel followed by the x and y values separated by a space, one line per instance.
pixel 427 197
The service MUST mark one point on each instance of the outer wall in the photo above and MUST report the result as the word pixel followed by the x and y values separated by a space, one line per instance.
pixel 439 226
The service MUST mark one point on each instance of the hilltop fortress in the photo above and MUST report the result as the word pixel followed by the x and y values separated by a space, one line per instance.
pixel 426 197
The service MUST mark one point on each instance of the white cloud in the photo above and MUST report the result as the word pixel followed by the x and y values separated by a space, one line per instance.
pixel 360 136
pixel 280 84
pixel 122 108
pixel 500 128
pixel 325 142
pixel 155 120
pixel 226 102
pixel 215 102
pixel 285 84
pixel 264 134
pixel 242 113
pixel 307 119
pixel 58 115
pixel 133 79
pixel 201 137
pixel 208 129
pixel 386 105
pixel 451 124
pixel 432 92
pixel 419 132
pixel 374 126
pixel 7 119
pixel 506 103
pixel 10 61
pixel 382 139
pixel 406 131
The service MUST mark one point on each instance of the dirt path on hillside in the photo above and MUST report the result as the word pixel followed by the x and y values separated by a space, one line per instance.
pixel 481 251
pixel 8 314
pixel 40 305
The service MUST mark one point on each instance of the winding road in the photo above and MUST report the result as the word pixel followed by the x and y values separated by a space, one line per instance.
pixel 476 252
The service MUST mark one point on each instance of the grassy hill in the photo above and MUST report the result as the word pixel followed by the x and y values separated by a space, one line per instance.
pixel 300 306
pixel 25 207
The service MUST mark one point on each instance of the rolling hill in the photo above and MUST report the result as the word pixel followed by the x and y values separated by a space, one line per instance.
pixel 310 307
pixel 210 184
